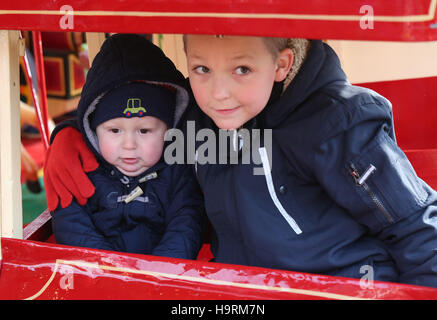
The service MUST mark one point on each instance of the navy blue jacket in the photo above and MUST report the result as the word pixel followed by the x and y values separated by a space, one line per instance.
pixel 167 219
pixel 336 196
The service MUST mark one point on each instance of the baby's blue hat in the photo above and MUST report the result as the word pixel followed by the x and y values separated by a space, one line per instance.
pixel 135 99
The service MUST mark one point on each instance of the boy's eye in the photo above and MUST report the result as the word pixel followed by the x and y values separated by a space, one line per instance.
pixel 144 131
pixel 242 70
pixel 114 130
pixel 201 69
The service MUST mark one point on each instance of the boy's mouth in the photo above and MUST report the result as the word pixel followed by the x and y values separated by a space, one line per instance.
pixel 227 111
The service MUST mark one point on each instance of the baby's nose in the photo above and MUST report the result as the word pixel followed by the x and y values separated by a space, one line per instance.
pixel 129 142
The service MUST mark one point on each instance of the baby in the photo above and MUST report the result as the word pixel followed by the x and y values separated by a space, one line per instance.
pixel 133 94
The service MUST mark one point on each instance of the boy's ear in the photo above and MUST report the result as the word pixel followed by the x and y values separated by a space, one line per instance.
pixel 284 61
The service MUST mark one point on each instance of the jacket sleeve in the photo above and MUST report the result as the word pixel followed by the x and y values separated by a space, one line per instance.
pixel 185 217
pixel 361 167
pixel 73 226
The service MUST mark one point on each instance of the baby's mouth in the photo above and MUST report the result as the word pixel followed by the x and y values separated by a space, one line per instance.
pixel 129 160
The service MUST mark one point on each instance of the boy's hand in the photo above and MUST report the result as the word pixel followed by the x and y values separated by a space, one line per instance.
pixel 67 160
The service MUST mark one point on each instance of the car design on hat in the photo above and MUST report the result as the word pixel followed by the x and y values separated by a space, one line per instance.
pixel 134 107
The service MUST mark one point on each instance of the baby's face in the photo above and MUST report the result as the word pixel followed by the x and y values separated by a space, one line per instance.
pixel 231 77
pixel 132 145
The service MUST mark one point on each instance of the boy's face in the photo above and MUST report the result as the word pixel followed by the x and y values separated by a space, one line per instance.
pixel 232 77
pixel 132 145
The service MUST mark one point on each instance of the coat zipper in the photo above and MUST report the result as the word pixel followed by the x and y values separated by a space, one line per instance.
pixel 361 181
pixel 271 188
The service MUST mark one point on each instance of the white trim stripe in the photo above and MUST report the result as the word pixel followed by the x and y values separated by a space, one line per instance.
pixel 271 187
pixel 287 16
pixel 204 280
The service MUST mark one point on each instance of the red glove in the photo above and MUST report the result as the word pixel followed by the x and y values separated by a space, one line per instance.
pixel 67 160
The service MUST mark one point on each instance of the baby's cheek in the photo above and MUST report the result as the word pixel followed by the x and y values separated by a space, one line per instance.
pixel 152 153
pixel 108 151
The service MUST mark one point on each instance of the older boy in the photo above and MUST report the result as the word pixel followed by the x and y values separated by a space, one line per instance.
pixel 337 196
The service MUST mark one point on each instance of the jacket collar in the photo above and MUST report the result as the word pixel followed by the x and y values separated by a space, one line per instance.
pixel 112 171
pixel 320 68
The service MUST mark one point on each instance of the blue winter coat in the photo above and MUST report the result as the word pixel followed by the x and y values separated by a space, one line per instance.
pixel 337 195
pixel 167 219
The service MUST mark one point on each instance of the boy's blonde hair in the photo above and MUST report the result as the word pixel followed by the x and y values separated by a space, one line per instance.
pixel 298 46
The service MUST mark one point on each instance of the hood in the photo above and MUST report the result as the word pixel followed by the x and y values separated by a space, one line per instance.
pixel 320 68
pixel 124 58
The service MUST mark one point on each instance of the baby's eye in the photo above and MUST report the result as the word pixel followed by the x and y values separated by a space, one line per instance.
pixel 144 131
pixel 242 70
pixel 114 130
pixel 201 69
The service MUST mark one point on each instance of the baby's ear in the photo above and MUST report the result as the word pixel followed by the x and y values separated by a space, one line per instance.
pixel 284 61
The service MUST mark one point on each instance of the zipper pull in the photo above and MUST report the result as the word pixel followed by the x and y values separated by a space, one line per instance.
pixel 371 169
pixel 360 180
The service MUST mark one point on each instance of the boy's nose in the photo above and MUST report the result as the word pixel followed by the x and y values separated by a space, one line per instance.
pixel 220 90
